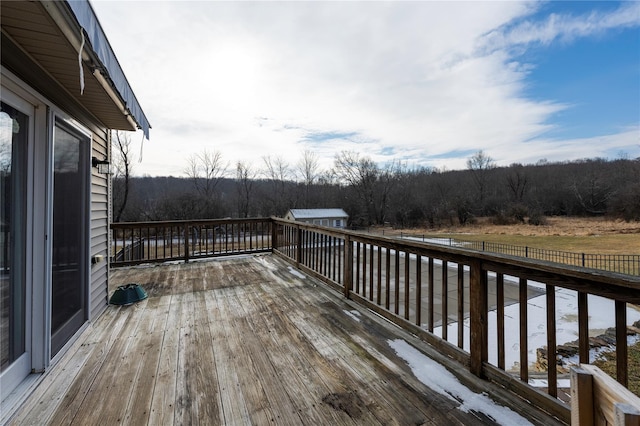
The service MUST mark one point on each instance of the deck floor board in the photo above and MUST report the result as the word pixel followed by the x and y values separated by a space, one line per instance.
pixel 237 341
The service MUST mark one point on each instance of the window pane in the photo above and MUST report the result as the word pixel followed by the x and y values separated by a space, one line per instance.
pixel 13 141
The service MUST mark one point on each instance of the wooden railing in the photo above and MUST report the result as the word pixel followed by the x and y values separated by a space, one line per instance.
pixel 141 242
pixel 404 281
pixel 491 299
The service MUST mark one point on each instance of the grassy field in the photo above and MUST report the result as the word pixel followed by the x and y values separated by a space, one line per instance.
pixel 581 235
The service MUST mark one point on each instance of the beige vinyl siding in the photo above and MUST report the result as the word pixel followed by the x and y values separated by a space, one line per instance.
pixel 99 228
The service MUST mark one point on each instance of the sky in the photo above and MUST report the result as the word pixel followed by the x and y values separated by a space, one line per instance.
pixel 424 83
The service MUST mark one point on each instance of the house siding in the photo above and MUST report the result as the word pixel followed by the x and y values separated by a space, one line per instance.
pixel 99 228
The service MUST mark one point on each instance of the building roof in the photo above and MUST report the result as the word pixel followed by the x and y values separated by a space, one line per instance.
pixel 317 213
pixel 74 58
pixel 89 22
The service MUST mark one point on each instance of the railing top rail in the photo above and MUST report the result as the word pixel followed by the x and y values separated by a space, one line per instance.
pixel 156 224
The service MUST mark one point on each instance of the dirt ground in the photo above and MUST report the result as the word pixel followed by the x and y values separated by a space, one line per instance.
pixel 563 226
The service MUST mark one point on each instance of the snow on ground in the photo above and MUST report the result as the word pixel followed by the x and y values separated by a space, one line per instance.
pixel 601 317
pixel 439 379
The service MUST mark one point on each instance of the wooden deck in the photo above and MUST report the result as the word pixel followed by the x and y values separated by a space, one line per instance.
pixel 244 340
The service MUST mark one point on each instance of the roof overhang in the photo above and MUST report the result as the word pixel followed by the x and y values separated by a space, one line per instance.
pixel 67 42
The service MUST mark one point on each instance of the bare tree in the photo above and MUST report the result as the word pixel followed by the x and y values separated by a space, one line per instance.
pixel 479 164
pixel 122 163
pixel 517 182
pixel 372 183
pixel 278 172
pixel 206 169
pixel 592 188
pixel 308 170
pixel 245 178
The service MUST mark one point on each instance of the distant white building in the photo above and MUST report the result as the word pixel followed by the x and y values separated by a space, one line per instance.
pixel 336 218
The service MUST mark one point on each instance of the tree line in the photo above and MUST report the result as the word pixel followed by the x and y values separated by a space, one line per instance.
pixel 376 194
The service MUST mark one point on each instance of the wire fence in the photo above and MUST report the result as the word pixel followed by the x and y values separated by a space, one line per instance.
pixel 622 263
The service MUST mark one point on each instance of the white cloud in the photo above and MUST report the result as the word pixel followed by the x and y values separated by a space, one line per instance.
pixel 254 79
pixel 565 27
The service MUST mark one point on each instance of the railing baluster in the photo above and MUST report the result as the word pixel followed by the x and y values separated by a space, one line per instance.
pixel 371 265
pixel 387 279
pixel 430 284
pixel 335 251
pixel 357 268
pixel 341 260
pixel 552 367
pixel 407 291
pixel 396 294
pixel 524 351
pixel 418 290
pixel 444 300
pixel 460 305
pixel 364 270
pixel 378 295
pixel 500 319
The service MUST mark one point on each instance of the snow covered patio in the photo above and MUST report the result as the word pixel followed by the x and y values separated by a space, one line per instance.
pixel 251 340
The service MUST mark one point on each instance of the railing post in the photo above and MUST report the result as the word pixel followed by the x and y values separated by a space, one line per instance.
pixel 348 266
pixel 621 343
pixel 186 242
pixel 478 317
pixel 274 235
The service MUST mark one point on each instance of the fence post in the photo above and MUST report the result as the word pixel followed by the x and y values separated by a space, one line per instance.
pixel 583 260
pixel 186 242
pixel 348 266
pixel 478 283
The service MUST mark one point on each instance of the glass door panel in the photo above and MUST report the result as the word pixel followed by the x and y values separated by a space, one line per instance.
pixel 14 134
pixel 69 255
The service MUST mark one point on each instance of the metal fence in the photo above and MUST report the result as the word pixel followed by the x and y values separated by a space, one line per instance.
pixel 622 263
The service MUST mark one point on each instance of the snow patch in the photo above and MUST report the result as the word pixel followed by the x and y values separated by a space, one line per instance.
pixel 355 315
pixel 297 273
pixel 601 317
pixel 438 378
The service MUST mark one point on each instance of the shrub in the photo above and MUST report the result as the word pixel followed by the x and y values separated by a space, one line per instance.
pixel 537 219
pixel 518 212
pixel 501 218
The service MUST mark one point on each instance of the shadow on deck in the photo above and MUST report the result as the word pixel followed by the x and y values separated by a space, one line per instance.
pixel 250 340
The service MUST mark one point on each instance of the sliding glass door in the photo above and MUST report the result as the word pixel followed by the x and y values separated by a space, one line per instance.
pixel 70 218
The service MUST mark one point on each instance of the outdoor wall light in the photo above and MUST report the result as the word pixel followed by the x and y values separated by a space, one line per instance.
pixel 101 165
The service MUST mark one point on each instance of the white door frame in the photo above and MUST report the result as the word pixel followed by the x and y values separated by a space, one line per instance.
pixel 34 357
